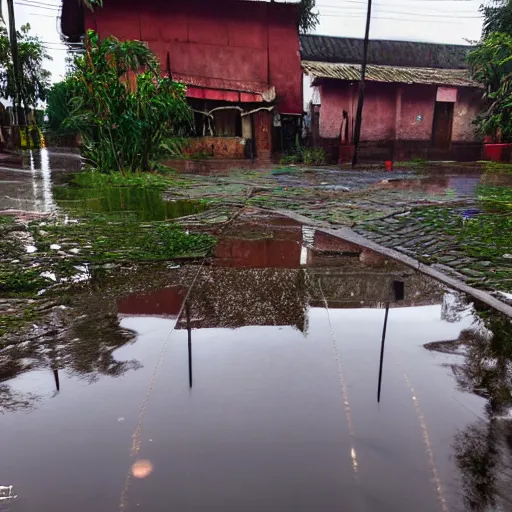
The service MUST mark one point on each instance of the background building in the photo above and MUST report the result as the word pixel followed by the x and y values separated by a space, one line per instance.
pixel 420 100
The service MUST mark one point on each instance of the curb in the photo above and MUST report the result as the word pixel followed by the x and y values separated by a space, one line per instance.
pixel 349 235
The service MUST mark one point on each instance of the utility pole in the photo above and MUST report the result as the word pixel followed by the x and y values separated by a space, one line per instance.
pixel 359 114
pixel 15 60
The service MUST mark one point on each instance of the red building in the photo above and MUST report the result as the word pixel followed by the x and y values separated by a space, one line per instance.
pixel 240 60
pixel 420 100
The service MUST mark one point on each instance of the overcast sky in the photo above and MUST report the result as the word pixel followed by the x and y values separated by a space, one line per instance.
pixel 442 21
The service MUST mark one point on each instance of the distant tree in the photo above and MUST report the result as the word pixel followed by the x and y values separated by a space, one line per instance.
pixel 34 79
pixel 309 17
pixel 497 17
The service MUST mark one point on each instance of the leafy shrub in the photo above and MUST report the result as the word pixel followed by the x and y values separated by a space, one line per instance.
pixel 125 118
pixel 307 156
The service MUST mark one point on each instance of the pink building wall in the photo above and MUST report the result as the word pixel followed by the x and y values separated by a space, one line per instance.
pixel 467 107
pixel 394 111
pixel 417 112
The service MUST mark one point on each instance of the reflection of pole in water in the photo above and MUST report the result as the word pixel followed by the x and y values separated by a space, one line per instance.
pixel 398 292
pixel 57 381
pixel 189 329
pixel 382 350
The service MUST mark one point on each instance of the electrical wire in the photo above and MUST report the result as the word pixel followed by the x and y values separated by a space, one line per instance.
pixel 427 15
pixel 450 22
pixel 38 6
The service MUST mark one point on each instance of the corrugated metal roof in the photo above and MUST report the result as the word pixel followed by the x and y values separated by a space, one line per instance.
pixel 349 50
pixel 390 74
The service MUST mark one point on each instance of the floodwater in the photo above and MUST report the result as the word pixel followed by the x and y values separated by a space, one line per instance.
pixel 30 188
pixel 275 405
pixel 144 204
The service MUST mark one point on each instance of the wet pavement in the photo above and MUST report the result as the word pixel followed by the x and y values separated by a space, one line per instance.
pixel 274 406
pixel 29 188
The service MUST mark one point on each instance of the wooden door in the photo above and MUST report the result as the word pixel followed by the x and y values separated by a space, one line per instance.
pixel 443 125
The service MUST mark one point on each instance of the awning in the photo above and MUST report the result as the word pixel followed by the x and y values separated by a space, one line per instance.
pixel 390 74
pixel 226 90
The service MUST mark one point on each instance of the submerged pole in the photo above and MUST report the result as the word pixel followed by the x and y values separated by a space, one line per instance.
pixel 382 350
pixel 360 103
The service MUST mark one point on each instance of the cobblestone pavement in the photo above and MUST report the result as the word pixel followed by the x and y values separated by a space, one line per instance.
pixel 457 220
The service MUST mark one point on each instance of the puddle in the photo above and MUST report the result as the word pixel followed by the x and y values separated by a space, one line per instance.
pixel 275 405
pixel 336 180
pixel 143 204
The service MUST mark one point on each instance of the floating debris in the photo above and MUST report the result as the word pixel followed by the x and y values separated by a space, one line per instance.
pixel 6 493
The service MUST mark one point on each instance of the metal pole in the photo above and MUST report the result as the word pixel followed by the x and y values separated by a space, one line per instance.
pixel 359 113
pixel 382 350
pixel 189 329
pixel 15 60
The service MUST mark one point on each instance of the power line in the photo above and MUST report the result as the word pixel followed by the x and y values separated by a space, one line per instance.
pixel 361 6
pixel 427 15
pixel 43 4
pixel 389 18
pixel 38 6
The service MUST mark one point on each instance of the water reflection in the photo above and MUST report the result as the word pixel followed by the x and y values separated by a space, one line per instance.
pixel 285 326
pixel 83 348
pixel 29 188
pixel 143 204
pixel 483 451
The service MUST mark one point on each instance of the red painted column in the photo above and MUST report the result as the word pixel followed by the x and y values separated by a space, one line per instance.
pixel 263 135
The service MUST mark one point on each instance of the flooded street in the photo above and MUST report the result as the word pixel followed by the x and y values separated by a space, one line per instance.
pixel 279 410
pixel 30 187
pixel 248 380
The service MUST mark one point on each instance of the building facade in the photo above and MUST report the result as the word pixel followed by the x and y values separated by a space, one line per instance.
pixel 240 60
pixel 420 101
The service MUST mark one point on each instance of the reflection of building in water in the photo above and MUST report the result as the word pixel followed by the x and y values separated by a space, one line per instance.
pixel 266 274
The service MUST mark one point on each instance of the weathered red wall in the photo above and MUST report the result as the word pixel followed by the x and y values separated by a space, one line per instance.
pixel 216 147
pixel 417 100
pixel 226 44
pixel 469 105
pixel 382 121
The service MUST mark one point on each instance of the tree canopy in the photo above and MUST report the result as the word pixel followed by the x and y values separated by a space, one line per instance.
pixel 497 17
pixel 309 17
pixel 34 79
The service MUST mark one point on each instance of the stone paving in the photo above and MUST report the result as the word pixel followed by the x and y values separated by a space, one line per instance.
pixel 445 219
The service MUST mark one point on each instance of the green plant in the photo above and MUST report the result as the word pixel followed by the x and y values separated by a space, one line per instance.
pixel 59 106
pixel 34 80
pixel 497 17
pixel 309 18
pixel 491 65
pixel 123 116
pixel 307 156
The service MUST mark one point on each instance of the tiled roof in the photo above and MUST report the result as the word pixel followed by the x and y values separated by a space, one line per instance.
pixel 393 74
pixel 384 53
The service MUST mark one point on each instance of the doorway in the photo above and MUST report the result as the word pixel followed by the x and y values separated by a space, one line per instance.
pixel 443 125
